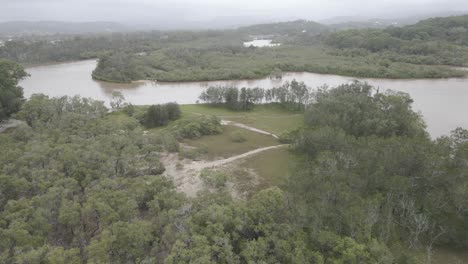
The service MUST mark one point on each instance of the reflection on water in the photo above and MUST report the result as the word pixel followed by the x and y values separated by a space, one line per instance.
pixel 442 102
pixel 261 43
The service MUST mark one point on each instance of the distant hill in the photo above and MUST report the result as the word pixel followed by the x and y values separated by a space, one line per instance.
pixel 285 28
pixel 361 22
pixel 26 28
pixel 371 23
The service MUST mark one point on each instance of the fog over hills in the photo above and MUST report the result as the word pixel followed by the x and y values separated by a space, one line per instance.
pixel 203 14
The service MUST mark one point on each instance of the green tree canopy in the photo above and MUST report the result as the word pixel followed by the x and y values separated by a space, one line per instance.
pixel 11 95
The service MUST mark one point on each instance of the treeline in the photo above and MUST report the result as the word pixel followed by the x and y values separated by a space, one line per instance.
pixel 436 41
pixel 293 95
pixel 66 48
pixel 58 48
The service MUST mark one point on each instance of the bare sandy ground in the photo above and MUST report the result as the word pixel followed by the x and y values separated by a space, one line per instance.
pixel 186 173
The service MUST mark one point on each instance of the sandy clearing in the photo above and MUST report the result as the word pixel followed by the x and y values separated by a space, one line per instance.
pixel 185 173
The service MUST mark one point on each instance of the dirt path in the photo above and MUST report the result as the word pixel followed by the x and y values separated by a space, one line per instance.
pixel 185 173
pixel 200 165
pixel 227 122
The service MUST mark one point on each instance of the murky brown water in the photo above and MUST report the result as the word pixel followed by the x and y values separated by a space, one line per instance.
pixel 443 102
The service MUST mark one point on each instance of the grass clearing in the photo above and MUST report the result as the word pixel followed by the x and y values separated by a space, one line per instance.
pixel 272 166
pixel 266 169
pixel 225 145
pixel 272 118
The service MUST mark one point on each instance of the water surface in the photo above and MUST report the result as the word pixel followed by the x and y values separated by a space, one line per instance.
pixel 261 43
pixel 442 102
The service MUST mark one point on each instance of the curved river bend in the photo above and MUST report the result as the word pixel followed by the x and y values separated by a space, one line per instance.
pixel 442 102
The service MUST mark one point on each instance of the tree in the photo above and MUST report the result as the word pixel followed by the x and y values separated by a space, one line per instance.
pixel 11 95
pixel 117 100
pixel 160 115
pixel 213 95
pixel 173 111
pixel 155 116
pixel 276 74
pixel 231 97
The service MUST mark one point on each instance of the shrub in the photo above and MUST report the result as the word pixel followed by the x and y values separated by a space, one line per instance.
pixel 197 127
pixel 129 110
pixel 237 137
pixel 213 179
pixel 193 153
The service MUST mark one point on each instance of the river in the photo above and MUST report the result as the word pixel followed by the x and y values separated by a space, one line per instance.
pixel 442 102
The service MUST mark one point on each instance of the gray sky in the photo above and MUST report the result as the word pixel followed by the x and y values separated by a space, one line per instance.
pixel 154 11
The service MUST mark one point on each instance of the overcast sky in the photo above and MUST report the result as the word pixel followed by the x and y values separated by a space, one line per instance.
pixel 149 11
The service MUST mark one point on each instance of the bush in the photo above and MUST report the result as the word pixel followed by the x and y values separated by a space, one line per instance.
pixel 237 137
pixel 129 110
pixel 193 153
pixel 288 137
pixel 213 179
pixel 197 127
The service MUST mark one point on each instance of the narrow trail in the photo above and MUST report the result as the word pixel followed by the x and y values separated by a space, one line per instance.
pixel 200 165
pixel 227 122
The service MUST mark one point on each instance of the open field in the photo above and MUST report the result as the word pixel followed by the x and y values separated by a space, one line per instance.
pixel 224 145
pixel 273 166
pixel 271 118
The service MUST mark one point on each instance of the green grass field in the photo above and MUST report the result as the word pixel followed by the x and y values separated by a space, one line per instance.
pixel 269 117
pixel 223 145
pixel 272 166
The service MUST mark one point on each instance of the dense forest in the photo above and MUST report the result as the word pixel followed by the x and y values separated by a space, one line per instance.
pixel 81 184
pixel 427 49
pixel 394 52
pixel 437 41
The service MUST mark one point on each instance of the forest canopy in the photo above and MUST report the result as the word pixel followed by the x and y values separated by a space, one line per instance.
pixel 79 184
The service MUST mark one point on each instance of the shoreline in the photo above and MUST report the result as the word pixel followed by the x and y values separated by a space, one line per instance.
pixel 465 76
pixel 460 69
